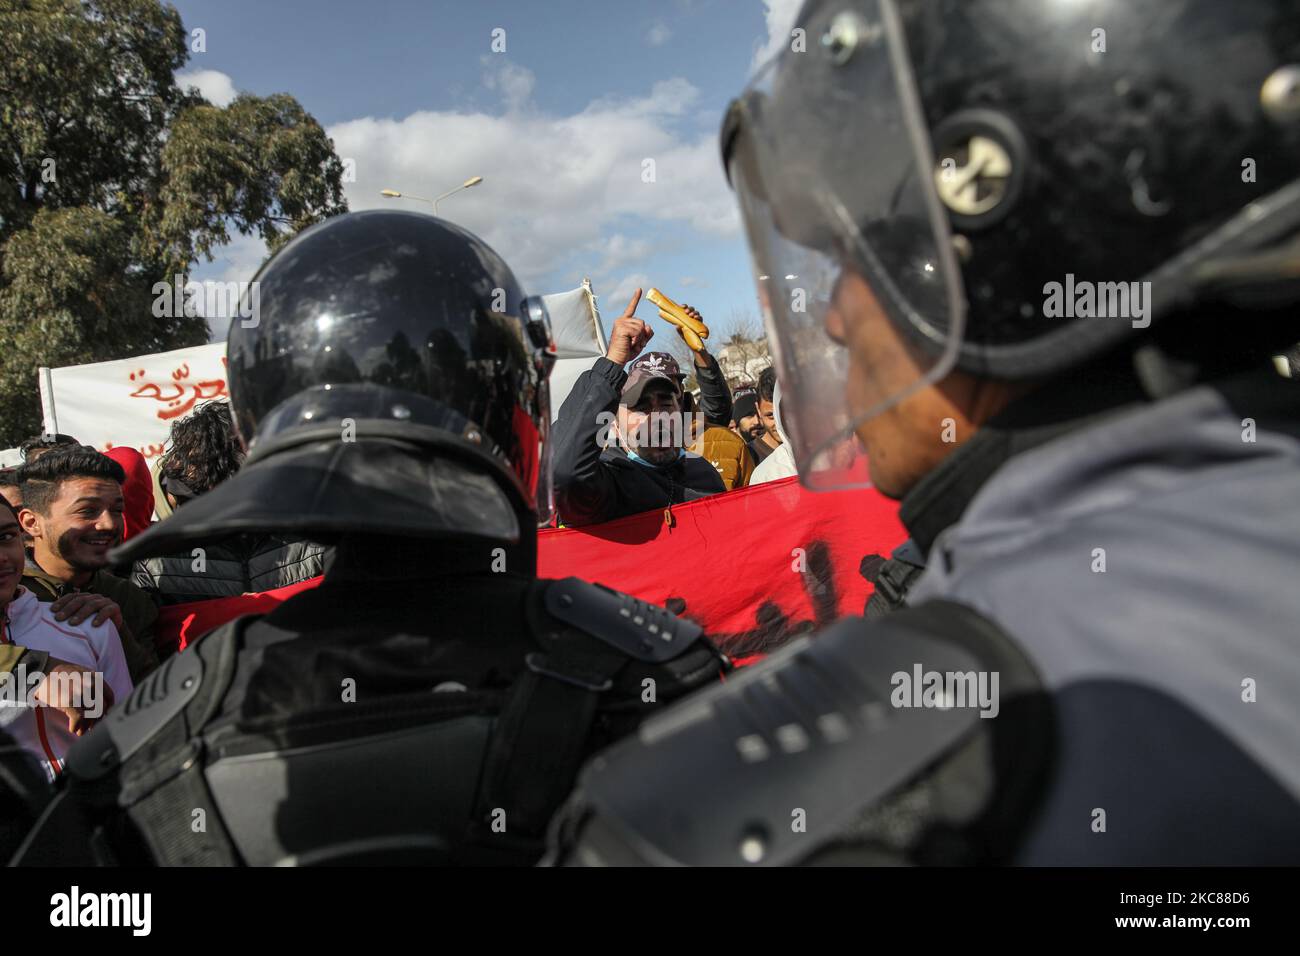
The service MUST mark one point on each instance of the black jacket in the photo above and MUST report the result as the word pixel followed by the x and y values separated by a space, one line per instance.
pixel 594 485
pixel 231 566
pixel 715 397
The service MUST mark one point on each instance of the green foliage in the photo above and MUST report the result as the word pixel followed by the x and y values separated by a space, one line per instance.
pixel 112 178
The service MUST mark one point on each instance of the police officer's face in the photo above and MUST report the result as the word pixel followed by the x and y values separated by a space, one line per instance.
pixel 910 437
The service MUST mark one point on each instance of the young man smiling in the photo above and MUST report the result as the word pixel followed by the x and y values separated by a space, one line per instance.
pixel 56 679
pixel 72 510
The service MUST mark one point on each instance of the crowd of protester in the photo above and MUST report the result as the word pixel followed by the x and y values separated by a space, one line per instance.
pixel 203 452
pixel 630 437
pixel 89 627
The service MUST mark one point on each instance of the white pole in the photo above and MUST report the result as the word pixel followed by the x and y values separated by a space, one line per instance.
pixel 595 314
pixel 51 424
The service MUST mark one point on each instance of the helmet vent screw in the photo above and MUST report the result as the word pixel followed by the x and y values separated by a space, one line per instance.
pixel 401 412
pixel 1280 94
pixel 848 31
pixel 972 176
pixel 753 845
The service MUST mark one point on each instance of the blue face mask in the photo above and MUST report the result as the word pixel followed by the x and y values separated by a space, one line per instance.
pixel 681 453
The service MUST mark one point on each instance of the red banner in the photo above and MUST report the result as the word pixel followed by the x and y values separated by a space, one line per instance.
pixel 754 566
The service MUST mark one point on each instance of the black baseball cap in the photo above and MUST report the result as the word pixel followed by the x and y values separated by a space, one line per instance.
pixel 639 380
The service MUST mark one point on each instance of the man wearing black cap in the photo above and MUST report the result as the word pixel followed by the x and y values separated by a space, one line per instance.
pixel 620 438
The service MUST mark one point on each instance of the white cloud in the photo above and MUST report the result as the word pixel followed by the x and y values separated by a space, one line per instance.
pixel 514 82
pixel 659 34
pixel 667 98
pixel 217 88
pixel 237 261
pixel 555 187
pixel 780 16
pixel 619 250
pixel 240 259
pixel 563 196
pixel 613 304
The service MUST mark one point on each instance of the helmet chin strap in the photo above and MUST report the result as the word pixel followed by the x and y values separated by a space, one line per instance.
pixel 1161 375
pixel 1264 278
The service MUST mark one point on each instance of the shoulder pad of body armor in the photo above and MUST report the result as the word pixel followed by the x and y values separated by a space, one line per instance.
pixel 155 702
pixel 131 722
pixel 641 630
pixel 784 757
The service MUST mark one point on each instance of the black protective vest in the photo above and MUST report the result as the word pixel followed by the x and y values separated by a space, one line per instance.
pixel 446 775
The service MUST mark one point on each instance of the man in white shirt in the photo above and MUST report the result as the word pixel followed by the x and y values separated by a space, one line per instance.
pixel 45 712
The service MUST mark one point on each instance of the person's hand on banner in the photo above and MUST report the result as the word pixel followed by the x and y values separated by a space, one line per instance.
pixel 630 335
pixel 75 608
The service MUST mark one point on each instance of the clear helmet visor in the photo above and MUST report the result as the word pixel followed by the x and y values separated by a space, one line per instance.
pixel 857 281
pixel 542 484
pixel 532 460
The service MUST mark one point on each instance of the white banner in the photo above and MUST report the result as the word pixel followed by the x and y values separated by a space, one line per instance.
pixel 579 339
pixel 134 401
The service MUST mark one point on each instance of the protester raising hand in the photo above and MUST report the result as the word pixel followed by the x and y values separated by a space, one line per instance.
pixel 630 335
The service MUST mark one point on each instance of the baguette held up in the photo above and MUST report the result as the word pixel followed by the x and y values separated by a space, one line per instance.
pixel 671 312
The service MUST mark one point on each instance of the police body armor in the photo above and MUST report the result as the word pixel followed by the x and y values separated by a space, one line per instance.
pixel 444 776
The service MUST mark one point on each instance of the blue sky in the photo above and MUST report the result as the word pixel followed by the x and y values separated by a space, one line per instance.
pixel 560 125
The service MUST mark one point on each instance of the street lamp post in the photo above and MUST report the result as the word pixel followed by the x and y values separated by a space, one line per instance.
pixel 394 194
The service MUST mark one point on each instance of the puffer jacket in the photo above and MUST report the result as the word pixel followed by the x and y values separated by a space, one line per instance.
pixel 727 452
pixel 234 565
